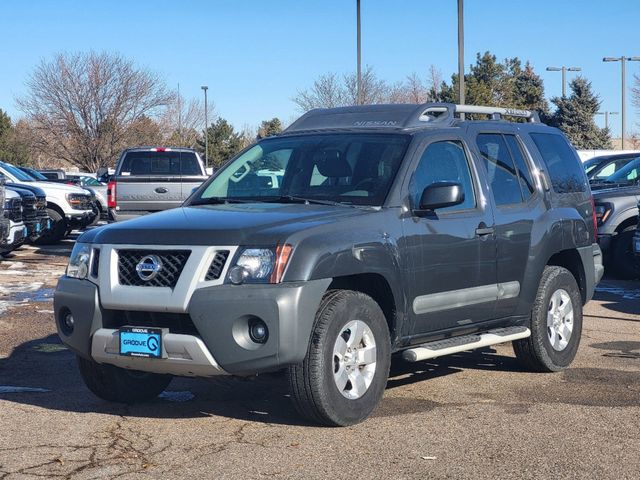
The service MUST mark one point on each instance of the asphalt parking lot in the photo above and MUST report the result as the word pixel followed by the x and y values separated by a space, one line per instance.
pixel 473 415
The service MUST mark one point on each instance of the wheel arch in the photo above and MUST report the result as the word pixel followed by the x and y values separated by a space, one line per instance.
pixel 571 260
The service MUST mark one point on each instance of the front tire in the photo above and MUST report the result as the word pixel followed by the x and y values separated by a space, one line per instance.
pixel 120 385
pixel 556 323
pixel 623 259
pixel 58 229
pixel 344 374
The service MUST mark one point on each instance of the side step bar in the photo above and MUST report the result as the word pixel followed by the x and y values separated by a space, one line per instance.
pixel 466 342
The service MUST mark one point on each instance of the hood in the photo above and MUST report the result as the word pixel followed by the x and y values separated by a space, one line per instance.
pixel 256 224
pixel 38 192
pixel 615 192
pixel 58 187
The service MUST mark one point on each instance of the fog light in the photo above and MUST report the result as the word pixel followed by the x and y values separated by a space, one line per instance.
pixel 67 323
pixel 237 275
pixel 258 331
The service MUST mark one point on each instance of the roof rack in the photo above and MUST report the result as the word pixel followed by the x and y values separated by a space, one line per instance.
pixel 399 116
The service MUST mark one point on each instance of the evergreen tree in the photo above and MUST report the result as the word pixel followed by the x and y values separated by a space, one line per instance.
pixel 224 142
pixel 269 127
pixel 12 148
pixel 575 116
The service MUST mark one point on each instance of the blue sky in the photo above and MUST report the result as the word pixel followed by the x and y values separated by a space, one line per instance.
pixel 255 55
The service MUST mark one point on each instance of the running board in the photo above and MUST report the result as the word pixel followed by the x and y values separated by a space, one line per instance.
pixel 466 342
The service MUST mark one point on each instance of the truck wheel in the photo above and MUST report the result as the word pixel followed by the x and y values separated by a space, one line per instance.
pixel 120 385
pixel 556 323
pixel 623 259
pixel 344 374
pixel 58 229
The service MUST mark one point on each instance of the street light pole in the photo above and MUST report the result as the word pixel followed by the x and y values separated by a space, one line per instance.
pixel 206 126
pixel 623 60
pixel 359 54
pixel 564 71
pixel 606 117
pixel 461 98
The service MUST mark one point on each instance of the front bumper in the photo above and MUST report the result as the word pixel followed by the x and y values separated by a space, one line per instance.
pixel 220 315
pixel 80 220
pixel 16 235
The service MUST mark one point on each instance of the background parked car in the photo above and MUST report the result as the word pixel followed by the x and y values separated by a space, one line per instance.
pixel 16 230
pixel 599 168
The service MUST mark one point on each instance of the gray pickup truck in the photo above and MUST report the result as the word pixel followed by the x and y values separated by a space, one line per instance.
pixel 150 180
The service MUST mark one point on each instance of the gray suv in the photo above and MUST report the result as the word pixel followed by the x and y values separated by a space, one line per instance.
pixel 391 229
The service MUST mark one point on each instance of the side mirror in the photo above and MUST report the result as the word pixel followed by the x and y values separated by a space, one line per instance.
pixel 440 195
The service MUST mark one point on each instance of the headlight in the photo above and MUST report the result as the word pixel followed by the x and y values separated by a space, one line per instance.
pixel 260 265
pixel 77 201
pixel 603 211
pixel 79 261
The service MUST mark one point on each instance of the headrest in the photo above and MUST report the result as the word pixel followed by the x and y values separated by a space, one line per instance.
pixel 331 163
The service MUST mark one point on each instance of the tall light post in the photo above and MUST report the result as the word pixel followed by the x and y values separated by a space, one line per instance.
pixel 623 60
pixel 461 99
pixel 606 117
pixel 206 126
pixel 359 55
pixel 564 71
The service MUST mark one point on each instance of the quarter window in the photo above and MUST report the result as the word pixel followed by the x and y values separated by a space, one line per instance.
pixel 443 162
pixel 565 170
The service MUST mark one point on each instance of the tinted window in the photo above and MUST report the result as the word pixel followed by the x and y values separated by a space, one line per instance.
pixel 347 168
pixel 629 173
pixel 443 162
pixel 501 171
pixel 160 163
pixel 563 166
pixel 524 172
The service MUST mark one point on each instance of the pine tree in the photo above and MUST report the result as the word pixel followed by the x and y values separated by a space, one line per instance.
pixel 575 116
pixel 269 127
pixel 224 142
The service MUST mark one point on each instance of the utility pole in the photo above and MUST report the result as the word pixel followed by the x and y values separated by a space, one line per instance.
pixel 461 99
pixel 359 54
pixel 206 127
pixel 606 117
pixel 623 60
pixel 564 71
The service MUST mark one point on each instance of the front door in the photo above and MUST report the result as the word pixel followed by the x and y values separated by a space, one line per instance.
pixel 450 253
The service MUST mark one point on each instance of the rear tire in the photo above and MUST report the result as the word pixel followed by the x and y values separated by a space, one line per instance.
pixel 556 323
pixel 624 262
pixel 58 229
pixel 344 374
pixel 120 385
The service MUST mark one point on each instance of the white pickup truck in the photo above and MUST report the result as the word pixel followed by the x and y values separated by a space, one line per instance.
pixel 68 207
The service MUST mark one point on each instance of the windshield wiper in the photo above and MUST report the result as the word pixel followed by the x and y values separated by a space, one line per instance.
pixel 303 200
pixel 220 201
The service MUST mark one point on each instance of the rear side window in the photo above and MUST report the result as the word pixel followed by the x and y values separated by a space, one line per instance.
pixel 501 170
pixel 565 170
pixel 160 163
pixel 524 172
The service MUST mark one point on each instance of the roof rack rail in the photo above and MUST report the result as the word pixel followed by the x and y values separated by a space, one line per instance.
pixel 446 112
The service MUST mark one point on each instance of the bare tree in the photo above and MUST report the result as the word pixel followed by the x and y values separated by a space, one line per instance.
pixel 435 80
pixel 326 92
pixel 373 89
pixel 83 105
pixel 182 122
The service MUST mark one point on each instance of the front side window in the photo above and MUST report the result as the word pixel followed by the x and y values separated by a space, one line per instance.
pixel 443 162
pixel 346 168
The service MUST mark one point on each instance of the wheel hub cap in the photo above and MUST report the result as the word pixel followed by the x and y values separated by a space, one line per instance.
pixel 560 320
pixel 354 359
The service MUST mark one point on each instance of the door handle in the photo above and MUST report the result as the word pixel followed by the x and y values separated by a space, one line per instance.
pixel 161 190
pixel 482 231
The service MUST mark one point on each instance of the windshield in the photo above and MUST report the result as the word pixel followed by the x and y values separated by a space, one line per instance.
pixel 628 174
pixel 35 174
pixel 604 170
pixel 347 168
pixel 16 172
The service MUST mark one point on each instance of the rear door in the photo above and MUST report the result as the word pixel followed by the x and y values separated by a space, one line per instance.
pixel 518 203
pixel 450 254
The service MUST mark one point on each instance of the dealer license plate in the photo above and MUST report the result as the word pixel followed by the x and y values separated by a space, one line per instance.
pixel 141 342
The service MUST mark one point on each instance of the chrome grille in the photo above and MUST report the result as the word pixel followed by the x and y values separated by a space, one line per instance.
pixel 41 207
pixel 29 209
pixel 173 262
pixel 217 265
pixel 13 209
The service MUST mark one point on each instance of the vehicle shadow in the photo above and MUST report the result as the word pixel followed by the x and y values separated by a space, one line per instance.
pixel 619 296
pixel 48 367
